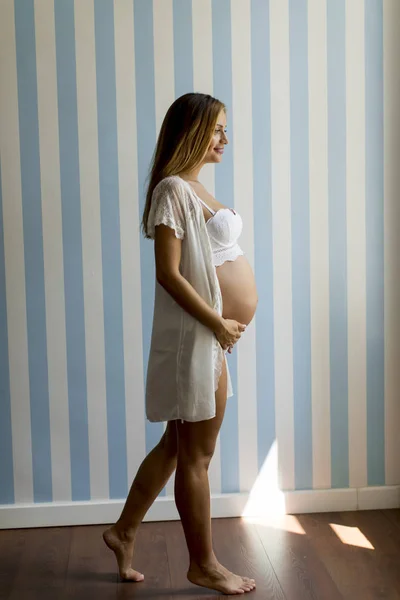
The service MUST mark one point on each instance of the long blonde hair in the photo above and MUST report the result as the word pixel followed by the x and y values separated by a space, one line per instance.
pixel 183 141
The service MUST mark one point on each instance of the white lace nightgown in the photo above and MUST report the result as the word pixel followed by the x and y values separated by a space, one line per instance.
pixel 186 359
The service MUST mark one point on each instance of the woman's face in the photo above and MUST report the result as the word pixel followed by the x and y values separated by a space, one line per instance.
pixel 218 142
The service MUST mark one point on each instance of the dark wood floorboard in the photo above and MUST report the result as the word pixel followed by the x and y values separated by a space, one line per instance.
pixel 12 544
pixel 382 563
pixel 359 572
pixel 306 562
pixel 42 564
pixel 238 546
pixel 300 571
pixel 151 559
pixel 393 515
pixel 92 570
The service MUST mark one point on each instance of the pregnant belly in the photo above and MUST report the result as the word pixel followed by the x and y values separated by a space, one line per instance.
pixel 238 288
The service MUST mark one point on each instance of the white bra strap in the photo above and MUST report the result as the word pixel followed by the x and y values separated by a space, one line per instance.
pixel 206 206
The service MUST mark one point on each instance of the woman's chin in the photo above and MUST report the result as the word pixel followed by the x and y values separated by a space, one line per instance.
pixel 213 158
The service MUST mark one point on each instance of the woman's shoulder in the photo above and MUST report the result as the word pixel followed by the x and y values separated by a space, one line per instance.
pixel 168 207
pixel 172 193
pixel 172 184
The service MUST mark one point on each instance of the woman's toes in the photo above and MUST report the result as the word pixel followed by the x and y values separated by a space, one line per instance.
pixel 132 575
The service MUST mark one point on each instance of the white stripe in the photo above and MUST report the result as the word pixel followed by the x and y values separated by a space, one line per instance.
pixel 243 185
pixel 129 231
pixel 164 78
pixel 91 247
pixel 52 248
pixel 14 259
pixel 392 239
pixel 203 67
pixel 282 244
pixel 356 243
pixel 319 242
pixel 164 83
pixel 202 46
pixel 203 82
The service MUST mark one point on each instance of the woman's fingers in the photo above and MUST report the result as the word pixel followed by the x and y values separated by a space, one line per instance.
pixel 233 337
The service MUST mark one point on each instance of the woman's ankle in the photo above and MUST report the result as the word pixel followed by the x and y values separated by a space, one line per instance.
pixel 203 564
pixel 124 531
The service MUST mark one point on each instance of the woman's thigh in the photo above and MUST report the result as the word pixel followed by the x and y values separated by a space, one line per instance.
pixel 199 438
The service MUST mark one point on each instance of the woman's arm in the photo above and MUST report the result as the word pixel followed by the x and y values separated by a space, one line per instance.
pixel 168 256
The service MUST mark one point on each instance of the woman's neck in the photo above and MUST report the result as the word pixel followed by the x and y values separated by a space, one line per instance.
pixel 192 175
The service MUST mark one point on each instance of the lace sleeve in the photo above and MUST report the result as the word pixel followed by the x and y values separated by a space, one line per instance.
pixel 167 208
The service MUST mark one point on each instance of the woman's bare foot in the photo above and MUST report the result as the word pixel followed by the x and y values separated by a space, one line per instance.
pixel 122 546
pixel 218 578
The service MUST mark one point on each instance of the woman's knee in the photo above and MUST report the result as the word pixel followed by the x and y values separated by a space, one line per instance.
pixel 195 460
pixel 193 452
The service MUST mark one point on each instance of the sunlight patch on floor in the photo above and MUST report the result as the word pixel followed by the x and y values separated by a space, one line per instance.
pixel 287 523
pixel 351 536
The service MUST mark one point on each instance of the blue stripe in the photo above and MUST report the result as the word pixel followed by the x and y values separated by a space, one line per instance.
pixel 111 251
pixel 6 450
pixel 263 242
pixel 222 67
pixel 337 242
pixel 33 249
pixel 300 195
pixel 146 139
pixel 72 248
pixel 183 47
pixel 375 241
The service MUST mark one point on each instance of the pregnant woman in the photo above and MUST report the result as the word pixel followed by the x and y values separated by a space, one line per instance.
pixel 205 298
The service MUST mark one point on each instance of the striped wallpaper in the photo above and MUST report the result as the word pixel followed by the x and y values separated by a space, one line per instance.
pixel 313 90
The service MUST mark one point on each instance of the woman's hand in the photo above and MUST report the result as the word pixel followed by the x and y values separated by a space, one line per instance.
pixel 229 333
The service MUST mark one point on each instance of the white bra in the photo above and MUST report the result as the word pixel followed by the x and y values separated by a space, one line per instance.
pixel 224 228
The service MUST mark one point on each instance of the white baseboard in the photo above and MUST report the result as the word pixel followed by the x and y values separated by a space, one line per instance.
pixel 222 505
pixel 371 498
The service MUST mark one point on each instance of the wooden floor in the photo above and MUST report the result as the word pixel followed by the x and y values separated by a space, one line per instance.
pixel 355 556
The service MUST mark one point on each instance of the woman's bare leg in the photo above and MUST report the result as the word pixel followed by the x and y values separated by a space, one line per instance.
pixel 153 474
pixel 196 444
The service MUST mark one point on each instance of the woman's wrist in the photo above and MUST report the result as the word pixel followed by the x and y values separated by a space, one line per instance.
pixel 218 324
